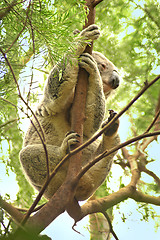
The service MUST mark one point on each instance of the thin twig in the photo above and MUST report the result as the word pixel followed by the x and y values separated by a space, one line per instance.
pixel 7 101
pixel 150 173
pixel 26 210
pixel 96 2
pixel 114 149
pixel 110 225
pixel 8 8
pixel 8 122
pixel 30 210
pixel 42 138
pixel 153 122
pixel 15 40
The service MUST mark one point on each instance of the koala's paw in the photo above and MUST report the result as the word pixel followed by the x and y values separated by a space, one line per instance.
pixel 91 32
pixel 70 140
pixel 87 62
pixel 114 127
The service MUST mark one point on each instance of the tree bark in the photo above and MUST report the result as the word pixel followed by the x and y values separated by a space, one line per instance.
pixel 79 103
pixel 78 114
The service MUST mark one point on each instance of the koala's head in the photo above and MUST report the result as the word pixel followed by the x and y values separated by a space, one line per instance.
pixel 108 72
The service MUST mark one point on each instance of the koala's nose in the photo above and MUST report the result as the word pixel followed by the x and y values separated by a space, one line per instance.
pixel 114 80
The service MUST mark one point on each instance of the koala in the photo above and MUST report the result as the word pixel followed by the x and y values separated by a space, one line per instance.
pixel 53 114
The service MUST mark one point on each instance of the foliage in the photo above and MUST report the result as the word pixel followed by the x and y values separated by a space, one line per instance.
pixel 41 31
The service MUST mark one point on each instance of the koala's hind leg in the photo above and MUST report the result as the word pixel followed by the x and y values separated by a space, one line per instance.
pixel 34 162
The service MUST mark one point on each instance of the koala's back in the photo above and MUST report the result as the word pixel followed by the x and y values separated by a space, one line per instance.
pixel 54 130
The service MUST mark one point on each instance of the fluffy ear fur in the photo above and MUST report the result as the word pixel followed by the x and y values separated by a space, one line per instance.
pixel 53 114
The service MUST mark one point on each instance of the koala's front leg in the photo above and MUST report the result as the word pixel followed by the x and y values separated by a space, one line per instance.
pixel 59 88
pixel 89 34
pixel 95 103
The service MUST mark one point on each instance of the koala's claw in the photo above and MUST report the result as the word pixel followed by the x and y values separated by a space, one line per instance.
pixel 111 115
pixel 68 133
pixel 88 63
pixel 114 127
pixel 91 32
pixel 69 140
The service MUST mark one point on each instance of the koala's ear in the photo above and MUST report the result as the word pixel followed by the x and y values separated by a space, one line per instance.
pixel 76 31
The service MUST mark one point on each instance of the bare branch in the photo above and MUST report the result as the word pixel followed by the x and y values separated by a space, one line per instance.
pixel 141 197
pixel 134 170
pixel 114 149
pixel 25 210
pixel 5 11
pixel 155 120
pixel 110 225
pixel 146 142
pixel 102 204
pixel 96 2
pixel 41 132
pixel 8 122
pixel 78 115
pixel 150 173
pixel 125 153
pixel 16 214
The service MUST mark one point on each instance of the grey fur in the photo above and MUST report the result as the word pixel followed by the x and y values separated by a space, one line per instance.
pixel 53 113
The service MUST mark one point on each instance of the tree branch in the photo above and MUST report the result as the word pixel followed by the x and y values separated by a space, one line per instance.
pixel 155 120
pixel 96 2
pixel 150 173
pixel 8 122
pixel 9 208
pixel 141 197
pixel 114 149
pixel 8 8
pixel 110 225
pixel 102 204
